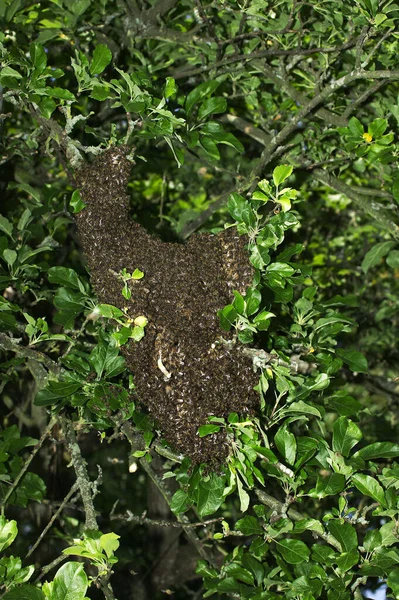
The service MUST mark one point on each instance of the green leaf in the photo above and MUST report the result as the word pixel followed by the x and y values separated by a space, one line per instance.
pixel 70 582
pixel 344 405
pixel 32 487
pixel 389 534
pixel 209 494
pixel 243 495
pixel 6 226
pixel 346 434
pixel 78 7
pixel 110 543
pixel 9 72
pixel 377 127
pixel 105 359
pixel 393 259
pixel 8 532
pixel 199 93
pixel 137 333
pixel 303 408
pixel 282 269
pixel 344 533
pixel 286 444
pixel 24 220
pixel 249 525
pixel 61 93
pixel 207 430
pixel 55 391
pixel 347 560
pixel 38 56
pixel 393 581
pixel 69 300
pixel 378 450
pixel 25 592
pixel 355 127
pixel 102 56
pixel 329 485
pixel 240 209
pixel 356 361
pixel 205 570
pixel 212 106
pixel 281 173
pixel 395 186
pixel 252 301
pixel 108 311
pixel 180 502
pixel 170 87
pixel 228 139
pixel 100 92
pixel 76 202
pixel 368 486
pixel 210 147
pixel 372 540
pixel 227 317
pixel 294 552
pixel 137 274
pixel 374 255
pixel 238 572
pixel 65 277
pixel 10 256
pixel 239 303
pixel 262 320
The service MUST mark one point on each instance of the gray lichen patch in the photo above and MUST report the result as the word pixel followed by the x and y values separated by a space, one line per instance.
pixel 181 375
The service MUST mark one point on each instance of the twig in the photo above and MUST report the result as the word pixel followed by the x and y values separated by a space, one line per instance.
pixel 353 105
pixel 302 99
pixel 260 54
pixel 310 106
pixel 86 492
pixel 193 225
pixel 82 476
pixel 274 147
pixel 261 358
pixel 13 345
pixel 47 568
pixel 71 492
pixel 375 48
pixel 278 508
pixel 361 40
pixel 160 8
pixel 129 517
pixel 27 463
pixel 382 216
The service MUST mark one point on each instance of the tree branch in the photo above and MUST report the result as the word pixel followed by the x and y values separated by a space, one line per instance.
pixel 383 216
pixel 278 507
pixel 86 492
pixel 129 433
pixel 82 476
pixel 10 344
pixel 129 517
pixel 302 99
pixel 274 145
pixel 260 54
pixel 59 510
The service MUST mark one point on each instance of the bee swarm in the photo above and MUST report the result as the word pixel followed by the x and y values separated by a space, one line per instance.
pixel 180 373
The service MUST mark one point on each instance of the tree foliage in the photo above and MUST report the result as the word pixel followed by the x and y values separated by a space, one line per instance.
pixel 229 345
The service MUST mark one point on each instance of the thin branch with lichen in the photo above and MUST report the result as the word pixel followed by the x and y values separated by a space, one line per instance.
pixel 279 508
pixel 22 472
pixel 87 492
